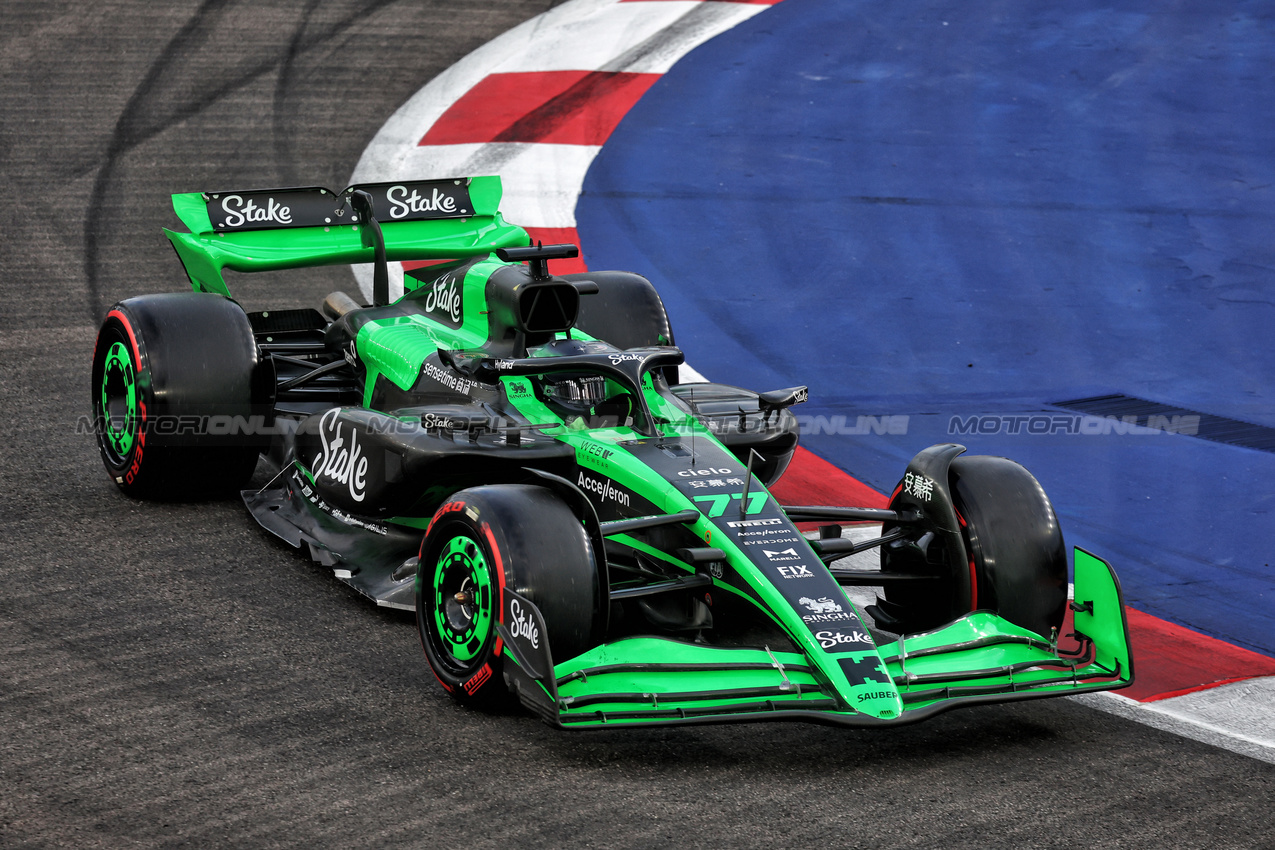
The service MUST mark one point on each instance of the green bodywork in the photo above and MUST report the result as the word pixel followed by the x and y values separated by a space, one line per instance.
pixel 643 680
pixel 119 400
pixel 397 348
pixel 978 658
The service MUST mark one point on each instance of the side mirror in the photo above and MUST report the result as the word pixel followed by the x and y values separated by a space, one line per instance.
pixel 779 399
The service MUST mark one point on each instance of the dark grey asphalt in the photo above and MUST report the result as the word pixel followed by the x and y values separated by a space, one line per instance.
pixel 169 674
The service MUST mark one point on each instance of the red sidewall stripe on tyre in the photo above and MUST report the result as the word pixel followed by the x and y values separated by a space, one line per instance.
pixel 141 404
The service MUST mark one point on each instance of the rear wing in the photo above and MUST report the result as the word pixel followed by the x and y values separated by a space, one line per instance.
pixel 269 229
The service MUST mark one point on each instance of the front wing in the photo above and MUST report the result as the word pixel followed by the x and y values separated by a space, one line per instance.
pixel 979 658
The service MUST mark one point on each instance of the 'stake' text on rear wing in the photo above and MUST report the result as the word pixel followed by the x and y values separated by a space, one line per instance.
pixel 269 229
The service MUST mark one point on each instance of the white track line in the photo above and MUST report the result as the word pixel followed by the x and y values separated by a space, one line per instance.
pixel 1235 717
pixel 542 182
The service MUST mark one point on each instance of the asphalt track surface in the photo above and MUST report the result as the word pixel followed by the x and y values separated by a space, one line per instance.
pixel 171 674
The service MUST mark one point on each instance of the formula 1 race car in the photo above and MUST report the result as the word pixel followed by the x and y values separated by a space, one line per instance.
pixel 510 454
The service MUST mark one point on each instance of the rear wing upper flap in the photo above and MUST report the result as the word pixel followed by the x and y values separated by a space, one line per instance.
pixel 269 229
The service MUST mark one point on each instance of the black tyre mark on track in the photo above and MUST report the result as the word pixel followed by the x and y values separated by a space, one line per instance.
pixel 141 120
pixel 129 133
pixel 283 146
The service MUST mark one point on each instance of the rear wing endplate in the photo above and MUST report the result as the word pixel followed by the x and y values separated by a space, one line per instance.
pixel 270 229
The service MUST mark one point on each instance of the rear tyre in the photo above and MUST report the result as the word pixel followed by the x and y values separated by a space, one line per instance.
pixel 175 379
pixel 1016 562
pixel 481 541
pixel 627 312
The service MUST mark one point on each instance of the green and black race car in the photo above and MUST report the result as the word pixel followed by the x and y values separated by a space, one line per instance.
pixel 510 454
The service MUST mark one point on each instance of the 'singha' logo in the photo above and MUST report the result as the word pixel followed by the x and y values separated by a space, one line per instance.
pixel 822 605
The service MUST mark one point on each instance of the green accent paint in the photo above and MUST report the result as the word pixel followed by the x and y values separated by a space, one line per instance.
pixel 119 400
pixel 309 476
pixel 1105 624
pixel 464 626
pixel 418 522
pixel 648 650
pixel 971 656
pixel 205 253
pixel 398 347
pixel 627 471
pixel 475 327
pixel 522 396
pixel 980 656
pixel 395 348
pixel 976 654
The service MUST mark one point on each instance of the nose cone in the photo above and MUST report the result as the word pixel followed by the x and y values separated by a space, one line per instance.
pixel 871 690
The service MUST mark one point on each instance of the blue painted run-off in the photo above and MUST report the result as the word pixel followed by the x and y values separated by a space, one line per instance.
pixel 944 209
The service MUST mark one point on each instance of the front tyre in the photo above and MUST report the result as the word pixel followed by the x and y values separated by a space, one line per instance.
pixel 1015 545
pixel 483 540
pixel 1015 562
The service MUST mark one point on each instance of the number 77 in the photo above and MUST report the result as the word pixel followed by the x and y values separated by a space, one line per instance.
pixel 717 502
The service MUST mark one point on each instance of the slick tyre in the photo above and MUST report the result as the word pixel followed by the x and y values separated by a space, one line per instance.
pixel 1017 557
pixel 481 541
pixel 627 312
pixel 176 385
pixel 1015 562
